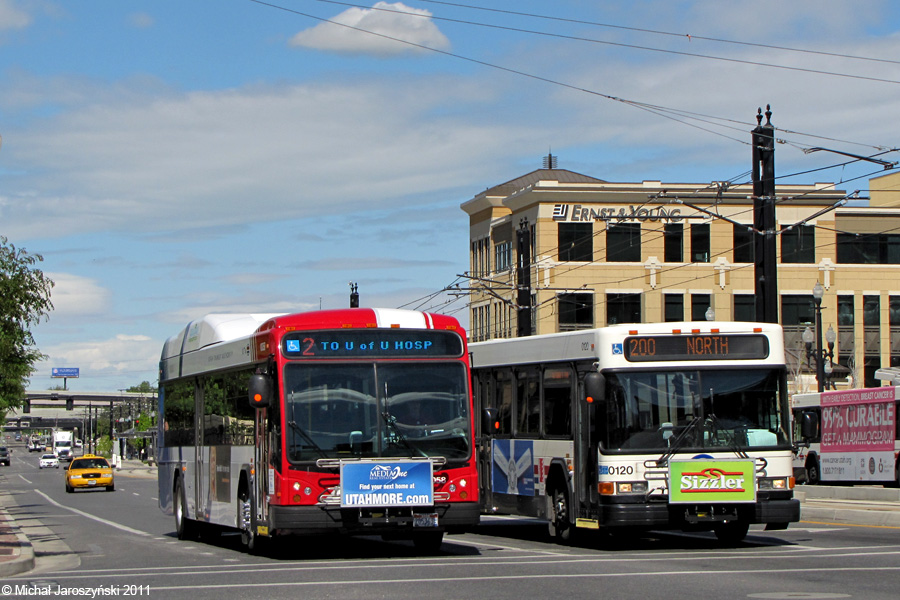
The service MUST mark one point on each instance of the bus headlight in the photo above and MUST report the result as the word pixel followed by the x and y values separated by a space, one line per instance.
pixel 774 483
pixel 632 487
pixel 608 488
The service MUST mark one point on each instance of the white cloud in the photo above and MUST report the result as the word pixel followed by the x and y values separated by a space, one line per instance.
pixel 12 17
pixel 75 296
pixel 385 19
pixel 120 355
pixel 141 20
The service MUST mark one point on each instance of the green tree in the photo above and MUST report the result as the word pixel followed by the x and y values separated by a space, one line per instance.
pixel 143 388
pixel 24 302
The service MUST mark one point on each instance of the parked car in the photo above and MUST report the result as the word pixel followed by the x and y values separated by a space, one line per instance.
pixel 4 455
pixel 49 461
pixel 89 471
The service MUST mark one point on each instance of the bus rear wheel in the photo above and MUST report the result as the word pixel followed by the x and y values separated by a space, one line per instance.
pixel 184 526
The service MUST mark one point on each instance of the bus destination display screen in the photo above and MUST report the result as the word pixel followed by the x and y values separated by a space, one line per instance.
pixel 372 343
pixel 695 347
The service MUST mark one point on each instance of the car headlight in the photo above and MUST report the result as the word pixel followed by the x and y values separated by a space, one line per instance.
pixel 74 476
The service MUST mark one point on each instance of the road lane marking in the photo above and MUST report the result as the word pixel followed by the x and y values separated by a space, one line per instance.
pixel 90 516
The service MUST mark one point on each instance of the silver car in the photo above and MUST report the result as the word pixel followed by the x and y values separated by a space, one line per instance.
pixel 48 461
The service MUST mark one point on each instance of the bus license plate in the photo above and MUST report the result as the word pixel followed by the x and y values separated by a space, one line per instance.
pixel 425 520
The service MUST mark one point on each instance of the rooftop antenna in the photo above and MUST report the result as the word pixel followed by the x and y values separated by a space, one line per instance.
pixel 550 161
pixel 354 295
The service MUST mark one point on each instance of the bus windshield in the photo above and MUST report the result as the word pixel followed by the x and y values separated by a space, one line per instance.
pixel 737 409
pixel 364 410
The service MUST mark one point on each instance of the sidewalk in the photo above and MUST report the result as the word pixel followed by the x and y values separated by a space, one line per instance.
pixel 867 506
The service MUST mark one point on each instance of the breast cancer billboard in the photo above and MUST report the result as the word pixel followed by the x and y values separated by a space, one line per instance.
pixel 858 431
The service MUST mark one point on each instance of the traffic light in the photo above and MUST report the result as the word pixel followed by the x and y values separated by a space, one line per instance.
pixel 26 407
pixel 70 403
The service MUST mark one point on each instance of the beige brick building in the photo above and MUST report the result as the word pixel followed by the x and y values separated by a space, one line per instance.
pixel 604 253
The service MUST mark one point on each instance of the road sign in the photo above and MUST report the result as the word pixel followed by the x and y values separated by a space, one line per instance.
pixel 64 372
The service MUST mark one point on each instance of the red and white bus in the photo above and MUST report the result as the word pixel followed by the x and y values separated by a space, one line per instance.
pixel 354 421
pixel 854 436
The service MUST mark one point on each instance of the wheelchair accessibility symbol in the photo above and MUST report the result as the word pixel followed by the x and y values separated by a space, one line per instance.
pixel 618 349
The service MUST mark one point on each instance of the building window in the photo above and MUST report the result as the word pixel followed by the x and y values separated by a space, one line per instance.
pixel 674 307
pixel 798 311
pixel 700 243
pixel 576 242
pixel 623 242
pixel 623 308
pixel 700 303
pixel 503 256
pixel 576 311
pixel 868 249
pixel 744 245
pixel 798 244
pixel 846 325
pixel 673 235
pixel 744 307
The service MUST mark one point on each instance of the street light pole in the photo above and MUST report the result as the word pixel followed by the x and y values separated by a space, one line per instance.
pixel 820 353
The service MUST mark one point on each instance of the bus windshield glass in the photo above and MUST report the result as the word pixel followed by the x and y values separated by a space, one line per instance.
pixel 364 410
pixel 695 410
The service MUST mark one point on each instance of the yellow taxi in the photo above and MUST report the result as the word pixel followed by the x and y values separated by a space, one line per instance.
pixel 89 471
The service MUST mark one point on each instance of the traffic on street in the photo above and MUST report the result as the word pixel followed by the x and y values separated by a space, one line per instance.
pixel 121 543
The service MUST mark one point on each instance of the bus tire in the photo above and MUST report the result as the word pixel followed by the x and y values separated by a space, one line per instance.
pixel 184 526
pixel 246 520
pixel 560 526
pixel 813 470
pixel 429 543
pixel 732 532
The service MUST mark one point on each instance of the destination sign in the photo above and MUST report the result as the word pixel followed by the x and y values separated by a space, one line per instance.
pixel 696 347
pixel 372 343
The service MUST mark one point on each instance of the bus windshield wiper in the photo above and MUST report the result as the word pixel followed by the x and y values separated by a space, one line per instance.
pixel 398 435
pixel 729 435
pixel 679 441
pixel 299 430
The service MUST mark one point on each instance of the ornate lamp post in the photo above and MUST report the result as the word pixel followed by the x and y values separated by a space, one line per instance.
pixel 820 353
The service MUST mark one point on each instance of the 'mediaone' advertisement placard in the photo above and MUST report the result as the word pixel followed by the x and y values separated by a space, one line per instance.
pixel 387 483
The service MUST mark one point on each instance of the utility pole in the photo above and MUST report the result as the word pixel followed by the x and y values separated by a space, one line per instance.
pixel 765 270
pixel 523 279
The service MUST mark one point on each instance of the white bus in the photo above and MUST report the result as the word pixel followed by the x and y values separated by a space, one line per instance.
pixel 657 426
pixel 854 437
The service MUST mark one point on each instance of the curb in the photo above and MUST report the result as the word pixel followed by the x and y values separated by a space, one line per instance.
pixel 25 559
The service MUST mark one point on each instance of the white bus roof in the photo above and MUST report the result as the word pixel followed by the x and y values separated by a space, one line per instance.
pixel 599 344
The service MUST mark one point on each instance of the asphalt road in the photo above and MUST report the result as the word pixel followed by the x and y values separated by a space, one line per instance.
pixel 121 542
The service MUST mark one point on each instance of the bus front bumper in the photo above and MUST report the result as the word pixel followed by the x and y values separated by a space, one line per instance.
pixel 299 520
pixel 650 515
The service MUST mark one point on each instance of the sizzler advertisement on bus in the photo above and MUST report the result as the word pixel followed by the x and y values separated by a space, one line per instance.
pixel 375 343
pixel 650 348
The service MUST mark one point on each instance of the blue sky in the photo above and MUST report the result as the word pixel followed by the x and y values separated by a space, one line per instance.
pixel 170 159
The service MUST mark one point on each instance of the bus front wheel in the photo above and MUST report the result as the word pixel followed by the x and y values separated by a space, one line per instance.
pixel 813 474
pixel 560 527
pixel 246 519
pixel 732 532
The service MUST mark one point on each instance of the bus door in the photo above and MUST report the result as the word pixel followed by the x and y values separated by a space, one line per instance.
pixel 263 470
pixel 483 424
pixel 200 475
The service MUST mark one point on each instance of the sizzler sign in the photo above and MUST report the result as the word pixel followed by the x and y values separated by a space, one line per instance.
pixel 722 480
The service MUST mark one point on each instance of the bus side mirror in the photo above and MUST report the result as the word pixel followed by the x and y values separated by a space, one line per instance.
pixel 594 387
pixel 488 420
pixel 260 391
pixel 809 425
